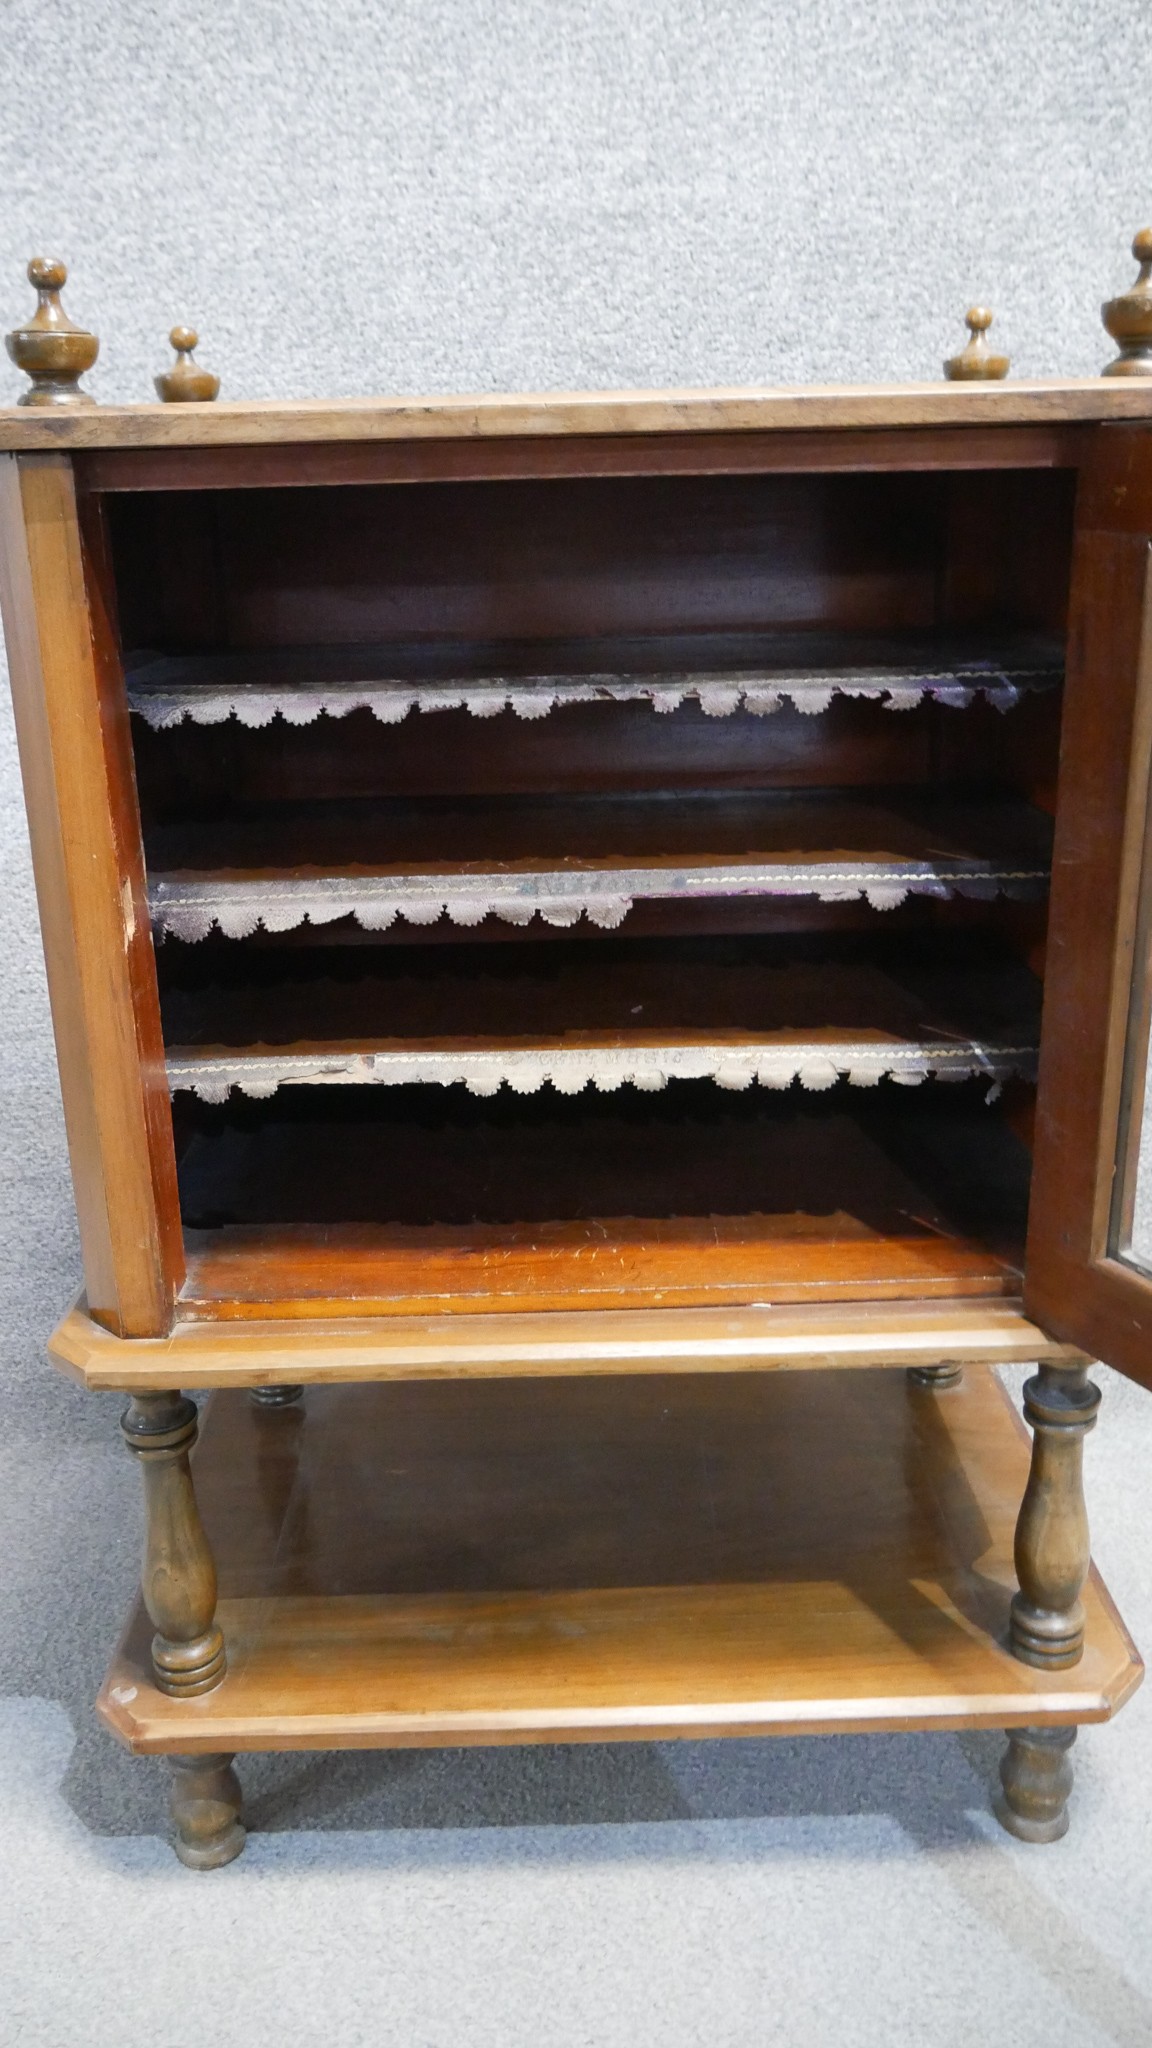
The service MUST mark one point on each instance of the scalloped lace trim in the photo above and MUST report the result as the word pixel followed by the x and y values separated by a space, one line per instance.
pixel 256 705
pixel 815 1066
pixel 189 909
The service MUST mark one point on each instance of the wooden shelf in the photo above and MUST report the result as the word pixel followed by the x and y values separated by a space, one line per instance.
pixel 432 1564
pixel 402 1201
pixel 643 1014
pixel 515 857
pixel 722 672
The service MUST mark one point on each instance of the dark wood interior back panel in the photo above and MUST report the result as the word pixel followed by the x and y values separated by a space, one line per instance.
pixel 938 990
pixel 308 1205
pixel 589 556
pixel 598 746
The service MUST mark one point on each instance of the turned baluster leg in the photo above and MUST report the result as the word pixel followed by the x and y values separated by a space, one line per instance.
pixel 1052 1553
pixel 179 1577
pixel 206 1801
pixel 1036 1773
pixel 275 1397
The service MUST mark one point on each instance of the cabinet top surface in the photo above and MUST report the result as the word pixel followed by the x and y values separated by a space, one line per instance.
pixel 560 413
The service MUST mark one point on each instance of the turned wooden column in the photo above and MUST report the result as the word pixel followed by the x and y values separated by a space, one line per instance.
pixel 1052 1551
pixel 179 1577
pixel 1036 1773
pixel 206 1802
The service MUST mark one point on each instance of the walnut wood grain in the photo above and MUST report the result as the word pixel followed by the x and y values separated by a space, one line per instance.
pixel 976 361
pixel 564 413
pixel 606 1262
pixel 178 1580
pixel 206 1803
pixel 1074 1283
pixel 354 1348
pixel 50 348
pixel 185 382
pixel 786 451
pixel 72 726
pixel 498 1563
pixel 402 1200
pixel 1128 317
pixel 922 554
pixel 1052 1546
pixel 1036 1774
pixel 735 1010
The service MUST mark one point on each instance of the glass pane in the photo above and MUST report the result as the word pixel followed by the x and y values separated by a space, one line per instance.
pixel 1130 1236
pixel 1133 1236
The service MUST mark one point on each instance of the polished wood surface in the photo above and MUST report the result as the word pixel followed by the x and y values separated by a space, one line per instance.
pixel 689 1194
pixel 722 1452
pixel 1036 1774
pixel 1052 1545
pixel 603 1262
pixel 185 382
pixel 527 1017
pixel 178 1579
pixel 577 412
pixel 1073 1283
pixel 782 451
pixel 493 1564
pixel 205 1804
pixel 51 349
pixel 75 754
pixel 976 361
pixel 1128 317
pixel 530 572
pixel 353 1348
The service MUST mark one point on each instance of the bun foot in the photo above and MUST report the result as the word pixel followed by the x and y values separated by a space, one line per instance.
pixel 1036 1773
pixel 206 1801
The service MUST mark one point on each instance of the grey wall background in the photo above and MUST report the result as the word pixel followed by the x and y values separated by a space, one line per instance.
pixel 426 195
pixel 455 194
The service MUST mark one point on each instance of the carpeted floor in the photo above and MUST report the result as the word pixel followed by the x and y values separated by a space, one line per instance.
pixel 443 196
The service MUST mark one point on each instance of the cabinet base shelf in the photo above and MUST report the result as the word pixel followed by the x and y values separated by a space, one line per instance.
pixel 839 1560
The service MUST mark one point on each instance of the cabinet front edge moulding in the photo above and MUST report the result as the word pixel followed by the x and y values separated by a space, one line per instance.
pixel 363 1348
pixel 75 757
pixel 224 423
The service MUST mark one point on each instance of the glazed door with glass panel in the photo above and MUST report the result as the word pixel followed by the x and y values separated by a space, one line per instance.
pixel 1089 1263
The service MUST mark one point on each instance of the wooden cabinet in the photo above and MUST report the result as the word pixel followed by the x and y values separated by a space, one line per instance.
pixel 599 957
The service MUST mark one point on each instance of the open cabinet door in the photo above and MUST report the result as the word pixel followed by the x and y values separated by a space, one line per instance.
pixel 1088 1276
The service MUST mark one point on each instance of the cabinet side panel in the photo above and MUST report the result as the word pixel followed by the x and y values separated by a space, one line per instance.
pixel 75 758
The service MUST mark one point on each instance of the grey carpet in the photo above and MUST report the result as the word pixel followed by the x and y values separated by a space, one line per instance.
pixel 442 195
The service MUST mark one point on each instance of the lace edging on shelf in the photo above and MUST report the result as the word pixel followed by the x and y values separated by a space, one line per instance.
pixel 816 1066
pixel 188 909
pixel 256 705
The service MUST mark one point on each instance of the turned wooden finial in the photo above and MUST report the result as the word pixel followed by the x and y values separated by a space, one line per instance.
pixel 185 381
pixel 1128 318
pixel 976 361
pixel 52 350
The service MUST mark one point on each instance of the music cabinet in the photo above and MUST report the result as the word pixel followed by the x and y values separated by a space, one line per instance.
pixel 599 950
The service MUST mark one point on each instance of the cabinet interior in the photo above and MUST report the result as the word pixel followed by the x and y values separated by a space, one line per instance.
pixel 687 946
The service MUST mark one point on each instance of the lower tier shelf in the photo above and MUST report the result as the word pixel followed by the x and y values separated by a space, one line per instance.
pixel 593 1559
pixel 405 1201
